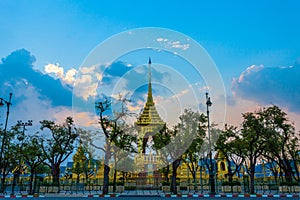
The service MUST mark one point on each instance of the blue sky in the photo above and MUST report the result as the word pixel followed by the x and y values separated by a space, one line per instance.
pixel 254 44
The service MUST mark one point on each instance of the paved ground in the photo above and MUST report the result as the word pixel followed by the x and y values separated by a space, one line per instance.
pixel 138 198
pixel 153 194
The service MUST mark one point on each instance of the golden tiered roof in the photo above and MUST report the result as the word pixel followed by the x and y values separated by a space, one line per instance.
pixel 149 115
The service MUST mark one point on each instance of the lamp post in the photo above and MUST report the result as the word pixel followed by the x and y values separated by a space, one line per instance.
pixel 216 170
pixel 8 104
pixel 201 164
pixel 211 165
pixel 18 169
pixel 264 173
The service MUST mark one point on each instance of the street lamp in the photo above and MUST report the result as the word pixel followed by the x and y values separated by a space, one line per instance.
pixel 24 124
pixel 211 165
pixel 17 171
pixel 8 104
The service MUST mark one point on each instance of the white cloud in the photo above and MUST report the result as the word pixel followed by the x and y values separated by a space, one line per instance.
pixel 177 45
pixel 161 39
pixel 58 72
pixel 181 93
pixel 86 83
pixel 54 69
pixel 88 70
pixel 248 71
pixel 173 44
pixel 70 76
pixel 85 86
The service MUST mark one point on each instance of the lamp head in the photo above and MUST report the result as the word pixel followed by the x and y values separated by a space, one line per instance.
pixel 208 102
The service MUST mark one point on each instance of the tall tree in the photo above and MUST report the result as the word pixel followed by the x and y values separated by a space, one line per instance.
pixel 59 146
pixel 195 124
pixel 121 148
pixel 175 152
pixel 161 139
pixel 281 140
pixel 110 123
pixel 229 145
pixel 181 137
pixel 252 140
pixel 79 162
pixel 33 157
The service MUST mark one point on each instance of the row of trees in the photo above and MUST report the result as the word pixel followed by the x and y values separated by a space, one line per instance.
pixel 37 153
pixel 45 151
pixel 264 135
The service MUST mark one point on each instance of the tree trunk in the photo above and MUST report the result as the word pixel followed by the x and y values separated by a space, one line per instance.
pixel 3 179
pixel 288 170
pixel 34 183
pixel 194 176
pixel 288 175
pixel 175 165
pixel 211 180
pixel 297 177
pixel 106 179
pixel 252 173
pixel 166 173
pixel 115 180
pixel 87 176
pixel 2 184
pixel 275 177
pixel 55 173
pixel 30 182
pixel 123 176
pixel 78 178
pixel 230 179
pixel 14 183
pixel 106 169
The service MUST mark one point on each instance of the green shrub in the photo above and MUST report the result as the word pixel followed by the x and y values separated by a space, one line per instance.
pixel 225 183
pixel 130 187
pixel 119 183
pixel 183 188
pixel 286 183
pixel 232 183
pixel 237 183
pixel 110 183
pixel 165 183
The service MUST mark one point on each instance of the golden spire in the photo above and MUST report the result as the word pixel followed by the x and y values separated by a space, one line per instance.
pixel 150 97
pixel 149 116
